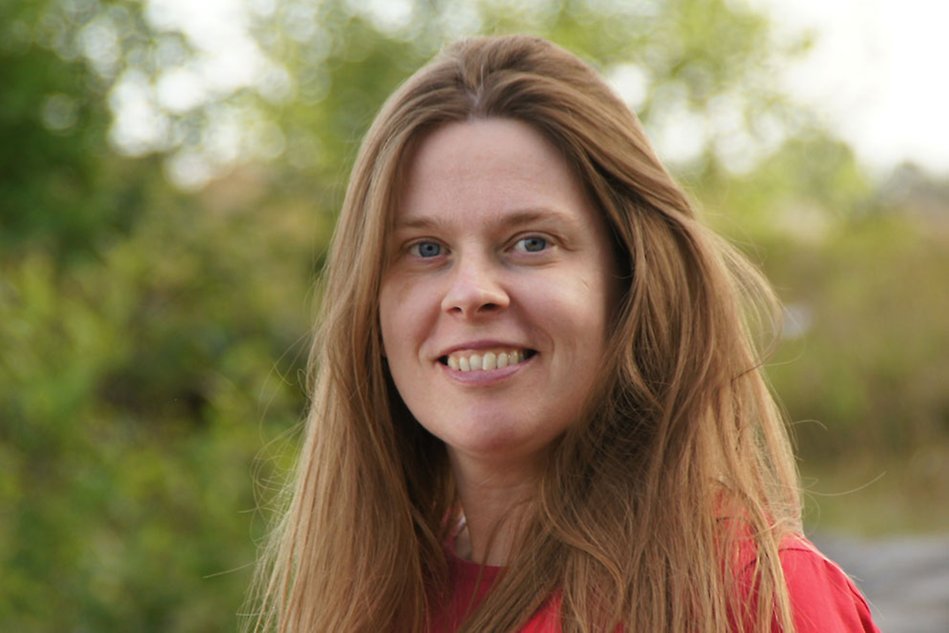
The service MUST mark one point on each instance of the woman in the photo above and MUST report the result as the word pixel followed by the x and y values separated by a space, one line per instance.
pixel 536 401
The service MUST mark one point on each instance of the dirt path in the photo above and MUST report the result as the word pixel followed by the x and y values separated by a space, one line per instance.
pixel 906 579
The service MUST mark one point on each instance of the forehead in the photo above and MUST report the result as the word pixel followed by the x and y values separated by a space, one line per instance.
pixel 487 166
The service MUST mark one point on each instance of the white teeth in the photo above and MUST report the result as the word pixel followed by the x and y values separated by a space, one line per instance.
pixel 486 361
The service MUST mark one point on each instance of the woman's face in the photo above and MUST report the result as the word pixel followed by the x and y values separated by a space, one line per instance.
pixel 498 290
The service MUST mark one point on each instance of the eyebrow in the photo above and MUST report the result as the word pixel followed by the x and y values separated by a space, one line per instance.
pixel 517 217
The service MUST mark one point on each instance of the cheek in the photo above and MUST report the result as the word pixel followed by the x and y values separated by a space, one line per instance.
pixel 602 294
pixel 388 320
pixel 581 302
pixel 403 318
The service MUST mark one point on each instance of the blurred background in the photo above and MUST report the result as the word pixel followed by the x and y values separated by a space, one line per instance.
pixel 170 173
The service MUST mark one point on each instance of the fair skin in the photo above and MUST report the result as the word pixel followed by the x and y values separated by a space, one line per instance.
pixel 494 308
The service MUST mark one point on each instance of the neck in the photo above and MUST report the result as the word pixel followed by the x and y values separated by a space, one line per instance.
pixel 494 498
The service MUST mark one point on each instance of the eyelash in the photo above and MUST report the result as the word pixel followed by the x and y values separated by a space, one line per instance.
pixel 534 238
pixel 520 245
pixel 416 249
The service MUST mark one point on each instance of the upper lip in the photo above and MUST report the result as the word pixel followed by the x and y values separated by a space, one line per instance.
pixel 480 344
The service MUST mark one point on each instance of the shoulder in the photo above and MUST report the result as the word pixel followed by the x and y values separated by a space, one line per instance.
pixel 823 597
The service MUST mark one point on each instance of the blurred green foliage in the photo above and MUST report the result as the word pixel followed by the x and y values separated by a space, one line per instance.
pixel 153 337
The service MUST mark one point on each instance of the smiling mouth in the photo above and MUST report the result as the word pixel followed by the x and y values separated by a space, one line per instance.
pixel 486 360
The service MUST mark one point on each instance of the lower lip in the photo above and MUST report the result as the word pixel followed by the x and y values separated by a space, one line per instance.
pixel 481 377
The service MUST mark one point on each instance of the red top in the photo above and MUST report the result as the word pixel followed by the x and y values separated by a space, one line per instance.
pixel 823 598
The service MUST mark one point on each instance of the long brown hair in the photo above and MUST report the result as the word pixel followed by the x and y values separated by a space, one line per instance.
pixel 682 460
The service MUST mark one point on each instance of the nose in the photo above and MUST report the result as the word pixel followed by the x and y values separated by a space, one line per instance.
pixel 475 290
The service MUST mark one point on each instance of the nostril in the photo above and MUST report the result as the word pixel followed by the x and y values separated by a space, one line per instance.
pixel 474 294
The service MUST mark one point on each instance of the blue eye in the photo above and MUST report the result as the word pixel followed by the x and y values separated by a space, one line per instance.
pixel 532 244
pixel 426 249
